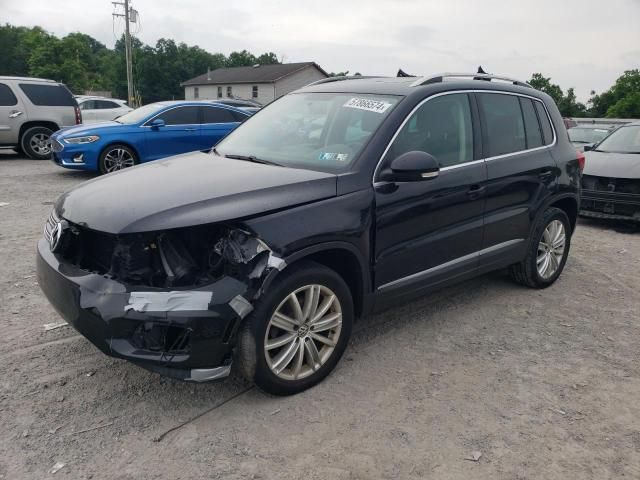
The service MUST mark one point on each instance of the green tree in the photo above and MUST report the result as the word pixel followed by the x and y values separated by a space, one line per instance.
pixel 544 84
pixel 622 100
pixel 567 104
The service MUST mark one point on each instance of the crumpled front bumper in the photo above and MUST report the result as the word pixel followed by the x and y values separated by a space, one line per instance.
pixel 610 205
pixel 185 334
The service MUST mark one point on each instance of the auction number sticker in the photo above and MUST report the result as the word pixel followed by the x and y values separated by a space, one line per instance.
pixel 368 104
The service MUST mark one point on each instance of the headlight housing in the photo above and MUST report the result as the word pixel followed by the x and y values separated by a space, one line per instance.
pixel 81 140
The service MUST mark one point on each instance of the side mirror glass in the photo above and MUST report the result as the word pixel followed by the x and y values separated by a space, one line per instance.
pixel 157 123
pixel 414 166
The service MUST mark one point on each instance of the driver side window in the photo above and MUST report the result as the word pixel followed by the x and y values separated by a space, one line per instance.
pixel 441 127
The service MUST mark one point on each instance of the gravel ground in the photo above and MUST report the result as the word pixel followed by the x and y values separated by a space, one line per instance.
pixel 544 384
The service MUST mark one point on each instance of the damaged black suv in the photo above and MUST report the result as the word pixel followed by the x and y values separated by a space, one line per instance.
pixel 343 197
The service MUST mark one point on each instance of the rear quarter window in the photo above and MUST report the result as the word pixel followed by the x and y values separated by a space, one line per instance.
pixel 547 131
pixel 7 98
pixel 48 95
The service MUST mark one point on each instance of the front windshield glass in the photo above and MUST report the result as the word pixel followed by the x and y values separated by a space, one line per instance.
pixel 623 140
pixel 139 114
pixel 319 131
pixel 587 135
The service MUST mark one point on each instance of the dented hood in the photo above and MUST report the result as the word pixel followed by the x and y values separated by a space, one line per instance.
pixel 190 189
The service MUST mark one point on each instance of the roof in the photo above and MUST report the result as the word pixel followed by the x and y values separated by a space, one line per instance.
pixel 255 74
pixel 29 79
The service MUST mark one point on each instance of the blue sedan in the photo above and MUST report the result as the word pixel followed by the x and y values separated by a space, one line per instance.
pixel 148 133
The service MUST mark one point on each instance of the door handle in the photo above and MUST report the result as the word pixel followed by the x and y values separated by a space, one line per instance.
pixel 15 113
pixel 476 191
pixel 190 129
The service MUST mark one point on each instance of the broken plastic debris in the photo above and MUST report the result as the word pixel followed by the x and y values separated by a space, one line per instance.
pixel 4 204
pixel 53 326
pixel 241 306
pixel 168 301
pixel 56 467
pixel 474 456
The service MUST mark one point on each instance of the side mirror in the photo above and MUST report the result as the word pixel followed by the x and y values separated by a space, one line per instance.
pixel 587 148
pixel 414 166
pixel 157 123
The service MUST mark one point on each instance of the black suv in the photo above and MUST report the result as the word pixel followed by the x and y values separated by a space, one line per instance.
pixel 346 196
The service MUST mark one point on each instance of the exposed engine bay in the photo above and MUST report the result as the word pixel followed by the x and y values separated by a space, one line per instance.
pixel 187 257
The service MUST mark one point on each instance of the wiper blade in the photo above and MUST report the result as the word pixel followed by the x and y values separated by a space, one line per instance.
pixel 254 159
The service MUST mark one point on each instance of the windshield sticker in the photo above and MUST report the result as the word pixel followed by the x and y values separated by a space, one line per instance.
pixel 333 157
pixel 368 105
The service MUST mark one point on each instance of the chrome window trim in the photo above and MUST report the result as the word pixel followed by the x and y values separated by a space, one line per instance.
pixel 486 159
pixel 450 263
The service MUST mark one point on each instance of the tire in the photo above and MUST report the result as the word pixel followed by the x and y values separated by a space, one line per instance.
pixel 36 143
pixel 259 364
pixel 530 272
pixel 116 157
pixel 19 151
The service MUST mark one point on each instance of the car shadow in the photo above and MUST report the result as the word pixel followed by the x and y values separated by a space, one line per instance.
pixel 620 226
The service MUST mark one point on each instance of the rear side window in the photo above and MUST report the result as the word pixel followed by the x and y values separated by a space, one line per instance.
pixel 217 115
pixel 441 127
pixel 544 122
pixel 48 95
pixel 7 98
pixel 239 117
pixel 106 104
pixel 503 122
pixel 180 116
pixel 531 126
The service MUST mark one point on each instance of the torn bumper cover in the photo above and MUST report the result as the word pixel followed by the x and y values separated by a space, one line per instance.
pixel 182 332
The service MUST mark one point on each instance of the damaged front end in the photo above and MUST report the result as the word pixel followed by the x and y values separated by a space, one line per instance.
pixel 169 301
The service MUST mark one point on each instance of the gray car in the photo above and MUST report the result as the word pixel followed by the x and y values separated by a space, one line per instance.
pixel 583 136
pixel 31 109
pixel 611 180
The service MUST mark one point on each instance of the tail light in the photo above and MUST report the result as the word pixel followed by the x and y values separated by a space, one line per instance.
pixel 78 115
pixel 581 160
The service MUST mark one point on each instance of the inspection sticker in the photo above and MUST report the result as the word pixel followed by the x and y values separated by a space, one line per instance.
pixel 333 157
pixel 368 105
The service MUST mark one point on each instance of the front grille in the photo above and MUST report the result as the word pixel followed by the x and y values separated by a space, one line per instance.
pixel 606 184
pixel 50 225
pixel 56 146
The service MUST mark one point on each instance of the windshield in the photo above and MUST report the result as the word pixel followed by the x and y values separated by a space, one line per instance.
pixel 587 135
pixel 623 140
pixel 139 114
pixel 319 131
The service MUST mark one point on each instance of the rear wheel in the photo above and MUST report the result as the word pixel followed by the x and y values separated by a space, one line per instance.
pixel 298 330
pixel 548 251
pixel 36 143
pixel 116 157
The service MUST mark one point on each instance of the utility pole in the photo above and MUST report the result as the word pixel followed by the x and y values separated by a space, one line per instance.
pixel 128 14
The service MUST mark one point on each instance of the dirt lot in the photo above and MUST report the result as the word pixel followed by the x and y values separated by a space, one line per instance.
pixel 545 384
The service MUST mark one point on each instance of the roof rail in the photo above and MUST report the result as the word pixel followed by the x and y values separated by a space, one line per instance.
pixel 339 79
pixel 476 76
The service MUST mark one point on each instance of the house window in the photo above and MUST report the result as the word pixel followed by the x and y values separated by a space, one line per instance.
pixel 254 91
pixel 229 92
pixel 219 92
pixel 196 92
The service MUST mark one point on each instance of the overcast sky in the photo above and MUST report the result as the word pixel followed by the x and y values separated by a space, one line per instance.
pixel 585 44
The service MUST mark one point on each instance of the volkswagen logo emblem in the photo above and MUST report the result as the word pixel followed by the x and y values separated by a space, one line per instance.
pixel 56 235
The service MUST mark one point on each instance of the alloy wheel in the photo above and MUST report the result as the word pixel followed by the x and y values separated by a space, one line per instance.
pixel 40 143
pixel 117 159
pixel 303 332
pixel 551 249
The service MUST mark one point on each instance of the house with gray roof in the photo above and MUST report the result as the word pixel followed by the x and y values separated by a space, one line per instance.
pixel 262 83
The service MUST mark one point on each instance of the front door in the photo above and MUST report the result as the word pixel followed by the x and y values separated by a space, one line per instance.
pixel 179 134
pixel 12 116
pixel 429 231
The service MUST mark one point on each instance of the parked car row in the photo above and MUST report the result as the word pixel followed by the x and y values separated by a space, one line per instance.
pixel 344 197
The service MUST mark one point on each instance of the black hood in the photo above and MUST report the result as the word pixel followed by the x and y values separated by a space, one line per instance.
pixel 191 189
pixel 612 165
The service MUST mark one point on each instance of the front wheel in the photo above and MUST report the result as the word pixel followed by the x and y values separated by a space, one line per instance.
pixel 547 253
pixel 116 157
pixel 298 330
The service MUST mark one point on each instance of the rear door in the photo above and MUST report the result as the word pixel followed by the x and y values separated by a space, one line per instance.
pixel 217 122
pixel 521 172
pixel 107 110
pixel 12 115
pixel 430 231
pixel 179 134
pixel 88 109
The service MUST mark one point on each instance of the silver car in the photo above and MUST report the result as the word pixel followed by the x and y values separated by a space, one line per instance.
pixel 31 109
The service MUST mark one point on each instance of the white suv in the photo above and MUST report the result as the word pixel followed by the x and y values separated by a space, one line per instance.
pixel 31 109
pixel 101 109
